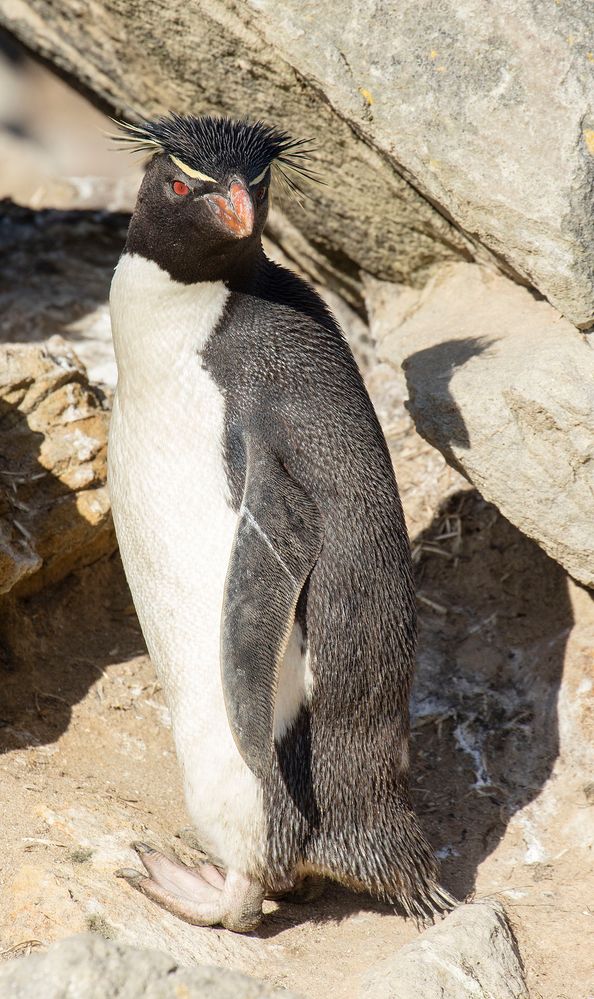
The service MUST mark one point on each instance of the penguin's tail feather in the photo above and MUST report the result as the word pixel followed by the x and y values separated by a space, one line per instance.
pixel 391 859
pixel 412 883
pixel 381 850
pixel 434 901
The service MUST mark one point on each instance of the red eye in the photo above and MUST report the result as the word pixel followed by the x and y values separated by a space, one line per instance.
pixel 180 188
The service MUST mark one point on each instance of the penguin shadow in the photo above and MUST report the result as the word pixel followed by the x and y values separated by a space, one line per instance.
pixel 435 366
pixel 495 615
pixel 55 641
pixel 336 905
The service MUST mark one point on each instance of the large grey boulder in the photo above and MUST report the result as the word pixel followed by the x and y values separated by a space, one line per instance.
pixel 470 955
pixel 504 387
pixel 487 110
pixel 90 967
pixel 213 57
pixel 486 114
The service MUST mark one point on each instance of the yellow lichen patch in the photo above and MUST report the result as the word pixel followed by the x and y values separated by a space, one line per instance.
pixel 433 54
pixel 590 56
pixel 589 140
pixel 366 95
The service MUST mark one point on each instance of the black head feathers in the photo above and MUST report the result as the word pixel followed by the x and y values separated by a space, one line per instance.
pixel 213 148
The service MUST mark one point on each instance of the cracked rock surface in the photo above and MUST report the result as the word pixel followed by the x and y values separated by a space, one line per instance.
pixel 54 507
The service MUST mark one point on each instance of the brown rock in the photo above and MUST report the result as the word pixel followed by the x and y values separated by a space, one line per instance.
pixel 53 441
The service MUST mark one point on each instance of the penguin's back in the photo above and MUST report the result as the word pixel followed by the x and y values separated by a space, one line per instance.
pixel 336 798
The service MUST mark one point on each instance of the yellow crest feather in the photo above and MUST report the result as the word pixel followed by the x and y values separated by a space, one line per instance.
pixel 195 174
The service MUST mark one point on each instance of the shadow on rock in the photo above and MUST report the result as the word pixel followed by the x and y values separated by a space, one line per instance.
pixel 428 375
pixel 495 617
pixel 66 611
pixel 336 905
pixel 57 267
pixel 56 644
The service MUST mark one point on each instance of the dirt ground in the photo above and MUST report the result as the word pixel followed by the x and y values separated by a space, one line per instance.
pixel 500 776
pixel 501 737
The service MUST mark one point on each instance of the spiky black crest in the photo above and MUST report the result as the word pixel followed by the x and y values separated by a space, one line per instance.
pixel 219 146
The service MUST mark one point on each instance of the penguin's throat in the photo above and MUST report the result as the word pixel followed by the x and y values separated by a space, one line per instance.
pixel 234 262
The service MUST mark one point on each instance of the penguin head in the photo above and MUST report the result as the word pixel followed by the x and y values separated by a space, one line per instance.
pixel 203 202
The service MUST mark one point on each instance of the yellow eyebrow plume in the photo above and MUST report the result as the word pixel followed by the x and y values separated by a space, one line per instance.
pixel 190 172
pixel 260 177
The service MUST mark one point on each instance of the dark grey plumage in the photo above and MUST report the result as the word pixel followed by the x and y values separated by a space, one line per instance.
pixel 337 793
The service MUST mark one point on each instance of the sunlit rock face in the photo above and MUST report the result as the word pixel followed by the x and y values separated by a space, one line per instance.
pixel 53 438
pixel 420 115
pixel 504 387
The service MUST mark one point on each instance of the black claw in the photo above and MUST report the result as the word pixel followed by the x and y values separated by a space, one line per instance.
pixel 128 874
pixel 141 847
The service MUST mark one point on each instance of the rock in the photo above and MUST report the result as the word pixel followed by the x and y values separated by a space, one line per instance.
pixel 342 223
pixel 470 954
pixel 489 119
pixel 91 967
pixel 56 271
pixel 87 192
pixel 504 387
pixel 53 439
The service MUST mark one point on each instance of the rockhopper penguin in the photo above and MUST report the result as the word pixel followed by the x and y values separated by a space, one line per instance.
pixel 264 543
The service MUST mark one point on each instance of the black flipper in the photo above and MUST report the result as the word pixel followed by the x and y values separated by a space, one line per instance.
pixel 278 539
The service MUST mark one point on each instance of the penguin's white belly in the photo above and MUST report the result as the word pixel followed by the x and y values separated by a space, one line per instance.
pixel 176 533
pixel 175 530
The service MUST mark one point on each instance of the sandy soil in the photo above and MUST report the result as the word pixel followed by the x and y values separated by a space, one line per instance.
pixel 500 769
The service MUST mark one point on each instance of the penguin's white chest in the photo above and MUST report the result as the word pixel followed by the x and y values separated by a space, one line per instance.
pixel 176 529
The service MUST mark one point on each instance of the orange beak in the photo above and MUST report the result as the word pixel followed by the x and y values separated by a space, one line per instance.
pixel 236 212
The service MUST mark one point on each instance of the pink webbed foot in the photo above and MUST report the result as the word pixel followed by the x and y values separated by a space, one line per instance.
pixel 202 895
